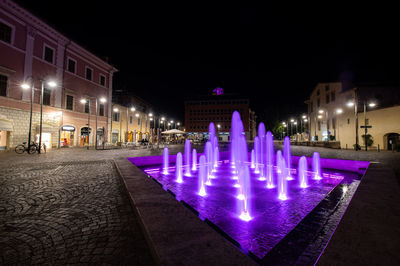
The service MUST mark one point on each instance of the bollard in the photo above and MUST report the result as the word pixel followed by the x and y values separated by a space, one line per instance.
pixel 378 148
pixel 346 146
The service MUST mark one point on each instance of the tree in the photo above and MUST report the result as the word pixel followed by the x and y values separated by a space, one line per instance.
pixel 368 138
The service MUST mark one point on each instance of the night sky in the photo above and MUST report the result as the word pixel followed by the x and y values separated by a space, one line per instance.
pixel 273 56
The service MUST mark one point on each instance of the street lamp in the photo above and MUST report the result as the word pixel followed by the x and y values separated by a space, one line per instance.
pixel 115 110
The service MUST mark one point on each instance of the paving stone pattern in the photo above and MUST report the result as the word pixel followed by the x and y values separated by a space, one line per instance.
pixel 67 213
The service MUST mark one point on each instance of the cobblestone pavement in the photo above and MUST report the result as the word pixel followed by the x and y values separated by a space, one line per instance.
pixel 66 213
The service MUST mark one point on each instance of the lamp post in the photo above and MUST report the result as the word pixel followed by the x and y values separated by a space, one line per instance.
pixel 115 110
pixel 372 104
pixel 26 86
pixel 291 127
pixel 51 84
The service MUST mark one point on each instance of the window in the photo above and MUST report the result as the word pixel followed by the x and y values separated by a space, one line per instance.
pixel 5 32
pixel 70 102
pixel 334 123
pixel 130 120
pixel 348 121
pixel 319 125
pixel 46 96
pixel 101 109
pixel 318 103
pixel 3 85
pixel 327 87
pixel 102 80
pixel 89 73
pixel 48 54
pixel 138 121
pixel 311 107
pixel 318 92
pixel 87 107
pixel 333 96
pixel 327 98
pixel 116 116
pixel 71 65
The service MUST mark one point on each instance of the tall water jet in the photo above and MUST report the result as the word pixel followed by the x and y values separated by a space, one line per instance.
pixel 244 180
pixel 252 165
pixel 236 132
pixel 257 153
pixel 279 157
pixel 165 161
pixel 302 172
pixel 209 157
pixel 316 166
pixel 282 179
pixel 216 157
pixel 178 168
pixel 261 136
pixel 269 158
pixel 287 155
pixel 187 158
pixel 202 175
pixel 194 160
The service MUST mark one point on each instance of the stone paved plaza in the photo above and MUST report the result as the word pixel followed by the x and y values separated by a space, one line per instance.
pixel 69 206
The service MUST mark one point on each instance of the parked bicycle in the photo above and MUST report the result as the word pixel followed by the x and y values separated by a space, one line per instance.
pixel 21 148
pixel 33 148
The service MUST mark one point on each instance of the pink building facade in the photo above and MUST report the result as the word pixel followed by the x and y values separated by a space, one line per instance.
pixel 34 53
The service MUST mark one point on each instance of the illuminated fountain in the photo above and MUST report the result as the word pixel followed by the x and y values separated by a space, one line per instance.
pixel 288 157
pixel 302 172
pixel 224 190
pixel 202 175
pixel 194 160
pixel 187 157
pixel 165 161
pixel 269 159
pixel 316 166
pixel 178 168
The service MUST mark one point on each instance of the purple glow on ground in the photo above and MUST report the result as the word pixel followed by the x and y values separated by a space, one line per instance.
pixel 269 219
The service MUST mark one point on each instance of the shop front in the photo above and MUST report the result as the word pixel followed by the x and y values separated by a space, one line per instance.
pixel 67 135
pixel 115 134
pixel 86 133
pixel 5 129
pixel 47 130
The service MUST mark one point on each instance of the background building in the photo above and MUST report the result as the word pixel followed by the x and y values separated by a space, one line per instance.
pixel 201 111
pixel 130 124
pixel 34 53
pixel 332 116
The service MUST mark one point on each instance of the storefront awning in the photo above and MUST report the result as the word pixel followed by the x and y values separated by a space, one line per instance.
pixel 5 125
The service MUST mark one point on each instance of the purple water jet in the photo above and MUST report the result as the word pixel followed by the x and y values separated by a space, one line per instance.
pixel 187 158
pixel 165 161
pixel 282 178
pixel 202 175
pixel 316 166
pixel 216 157
pixel 209 157
pixel 269 159
pixel 194 160
pixel 287 155
pixel 252 165
pixel 302 172
pixel 261 136
pixel 178 168
pixel 257 153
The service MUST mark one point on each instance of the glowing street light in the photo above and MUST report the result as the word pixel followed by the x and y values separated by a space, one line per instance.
pixel 133 109
pixel 372 104
pixel 321 111
pixel 339 111
pixel 350 104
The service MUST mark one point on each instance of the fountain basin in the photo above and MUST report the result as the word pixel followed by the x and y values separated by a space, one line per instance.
pixel 272 220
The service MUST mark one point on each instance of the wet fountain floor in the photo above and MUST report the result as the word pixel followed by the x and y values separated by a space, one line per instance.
pixel 272 219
